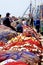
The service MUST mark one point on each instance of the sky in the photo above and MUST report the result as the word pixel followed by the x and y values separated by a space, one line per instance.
pixel 15 7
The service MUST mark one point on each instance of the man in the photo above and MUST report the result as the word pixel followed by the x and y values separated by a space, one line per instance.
pixel 19 27
pixel 38 25
pixel 31 22
pixel 7 22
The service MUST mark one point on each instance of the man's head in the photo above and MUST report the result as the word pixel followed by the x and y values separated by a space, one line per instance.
pixel 7 14
pixel 0 15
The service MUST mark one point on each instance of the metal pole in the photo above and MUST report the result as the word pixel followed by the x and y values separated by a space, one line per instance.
pixel 35 9
pixel 30 6
pixel 25 11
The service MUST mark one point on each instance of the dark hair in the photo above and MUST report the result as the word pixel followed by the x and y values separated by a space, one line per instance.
pixel 0 15
pixel 7 14
pixel 17 22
